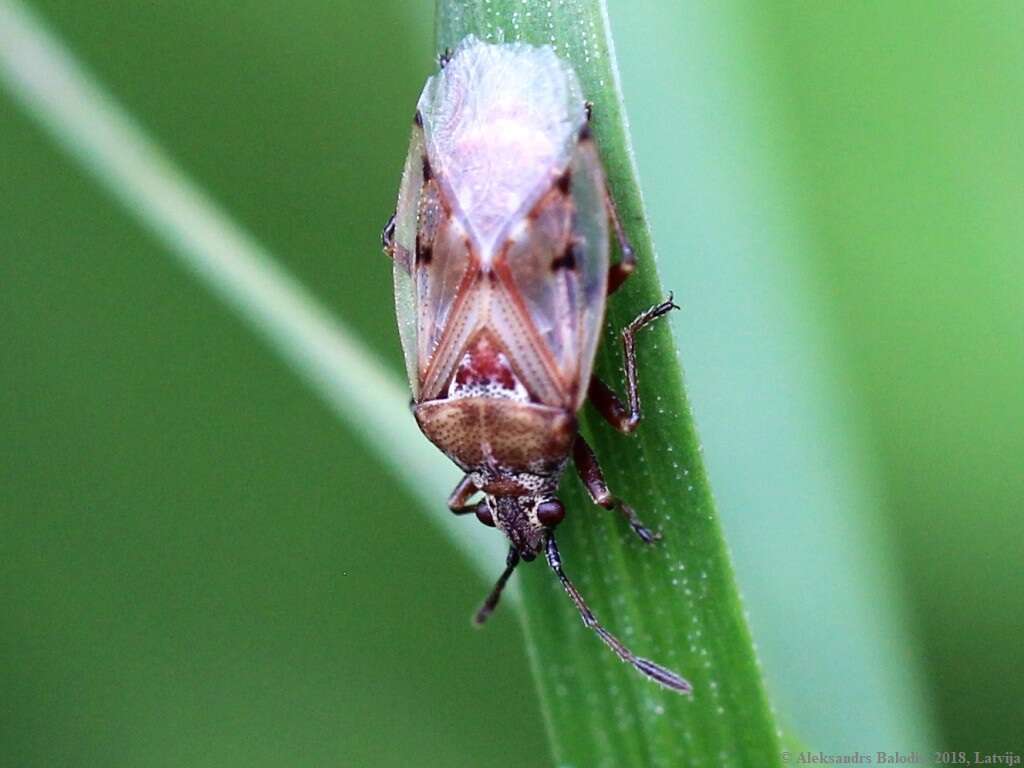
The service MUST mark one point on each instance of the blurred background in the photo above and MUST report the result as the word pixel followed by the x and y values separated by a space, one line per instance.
pixel 200 566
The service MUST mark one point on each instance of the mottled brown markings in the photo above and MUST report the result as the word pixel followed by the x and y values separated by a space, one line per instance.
pixel 517 433
pixel 585 133
pixel 418 119
pixel 505 486
pixel 428 172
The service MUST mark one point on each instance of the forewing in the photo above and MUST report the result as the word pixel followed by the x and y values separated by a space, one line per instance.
pixel 406 215
pixel 443 277
pixel 432 269
pixel 555 269
pixel 590 232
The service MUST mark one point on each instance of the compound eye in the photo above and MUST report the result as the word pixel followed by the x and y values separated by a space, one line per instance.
pixel 483 514
pixel 550 513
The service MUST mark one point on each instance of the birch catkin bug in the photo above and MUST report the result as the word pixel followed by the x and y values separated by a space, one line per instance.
pixel 500 244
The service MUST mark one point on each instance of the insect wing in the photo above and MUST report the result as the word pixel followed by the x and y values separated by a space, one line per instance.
pixel 431 267
pixel 445 273
pixel 406 215
pixel 590 231
pixel 557 271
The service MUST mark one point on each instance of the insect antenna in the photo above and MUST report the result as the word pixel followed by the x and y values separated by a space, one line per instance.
pixel 657 673
pixel 492 599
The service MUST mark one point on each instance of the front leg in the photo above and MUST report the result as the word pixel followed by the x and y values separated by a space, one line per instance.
pixel 458 500
pixel 603 397
pixel 593 479
pixel 397 253
pixel 387 236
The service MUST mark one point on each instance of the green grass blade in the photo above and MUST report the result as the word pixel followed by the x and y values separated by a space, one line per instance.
pixel 677 602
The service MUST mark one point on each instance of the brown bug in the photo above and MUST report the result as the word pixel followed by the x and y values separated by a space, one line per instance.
pixel 500 244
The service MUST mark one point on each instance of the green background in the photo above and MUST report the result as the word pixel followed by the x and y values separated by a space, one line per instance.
pixel 200 566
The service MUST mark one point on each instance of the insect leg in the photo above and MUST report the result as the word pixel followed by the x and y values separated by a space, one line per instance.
pixel 603 397
pixel 593 479
pixel 655 672
pixel 458 501
pixel 619 272
pixel 492 599
pixel 387 236
pixel 391 248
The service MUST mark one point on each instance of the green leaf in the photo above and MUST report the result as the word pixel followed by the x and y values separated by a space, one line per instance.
pixel 676 602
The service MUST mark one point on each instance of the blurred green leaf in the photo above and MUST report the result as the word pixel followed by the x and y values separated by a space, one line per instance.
pixel 801 501
pixel 905 162
pixel 675 602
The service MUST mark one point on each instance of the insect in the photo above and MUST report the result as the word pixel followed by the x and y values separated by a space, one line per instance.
pixel 500 247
